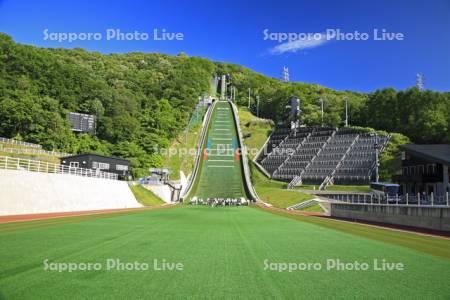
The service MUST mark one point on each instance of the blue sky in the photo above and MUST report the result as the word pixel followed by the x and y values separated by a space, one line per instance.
pixel 232 31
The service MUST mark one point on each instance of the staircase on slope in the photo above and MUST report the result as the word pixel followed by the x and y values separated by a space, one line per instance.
pixel 329 179
pixel 284 171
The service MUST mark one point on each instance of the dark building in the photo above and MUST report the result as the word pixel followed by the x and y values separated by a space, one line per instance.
pixel 425 169
pixel 114 165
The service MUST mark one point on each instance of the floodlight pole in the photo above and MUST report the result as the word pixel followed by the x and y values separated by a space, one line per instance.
pixel 257 106
pixel 321 107
pixel 346 112
pixel 377 177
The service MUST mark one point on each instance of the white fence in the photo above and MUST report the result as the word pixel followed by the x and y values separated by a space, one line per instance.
pixel 11 163
pixel 413 200
pixel 32 151
pixel 15 142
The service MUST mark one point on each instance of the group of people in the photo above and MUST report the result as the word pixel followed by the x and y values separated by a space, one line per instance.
pixel 219 201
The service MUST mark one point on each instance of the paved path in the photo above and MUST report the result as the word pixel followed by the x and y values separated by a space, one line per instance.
pixel 33 217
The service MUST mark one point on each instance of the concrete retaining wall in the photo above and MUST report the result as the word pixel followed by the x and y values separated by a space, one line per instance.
pixel 161 190
pixel 436 218
pixel 23 192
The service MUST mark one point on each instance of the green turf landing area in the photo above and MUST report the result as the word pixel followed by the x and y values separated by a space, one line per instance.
pixel 223 252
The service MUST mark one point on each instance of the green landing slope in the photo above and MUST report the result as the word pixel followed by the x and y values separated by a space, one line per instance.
pixel 220 174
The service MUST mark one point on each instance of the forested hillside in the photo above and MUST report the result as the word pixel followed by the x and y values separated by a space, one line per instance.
pixel 143 101
pixel 423 116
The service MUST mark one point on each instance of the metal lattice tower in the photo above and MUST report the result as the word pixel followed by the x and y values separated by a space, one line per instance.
pixel 285 74
pixel 420 81
pixel 223 88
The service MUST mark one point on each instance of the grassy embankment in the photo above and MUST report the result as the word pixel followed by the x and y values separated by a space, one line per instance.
pixel 340 188
pixel 144 196
pixel 181 154
pixel 21 148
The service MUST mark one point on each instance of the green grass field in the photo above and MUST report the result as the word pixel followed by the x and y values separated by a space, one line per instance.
pixel 343 188
pixel 349 188
pixel 220 170
pixel 255 130
pixel 313 208
pixel 223 252
pixel 275 192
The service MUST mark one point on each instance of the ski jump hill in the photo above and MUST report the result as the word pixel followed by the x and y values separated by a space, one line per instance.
pixel 221 168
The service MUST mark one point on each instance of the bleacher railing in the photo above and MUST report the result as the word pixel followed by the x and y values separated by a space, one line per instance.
pixel 20 164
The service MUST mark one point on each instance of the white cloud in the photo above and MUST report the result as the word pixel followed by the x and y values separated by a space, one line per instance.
pixel 300 44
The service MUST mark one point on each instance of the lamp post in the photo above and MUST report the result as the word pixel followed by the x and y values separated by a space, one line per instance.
pixel 257 106
pixel 346 111
pixel 321 108
pixel 376 147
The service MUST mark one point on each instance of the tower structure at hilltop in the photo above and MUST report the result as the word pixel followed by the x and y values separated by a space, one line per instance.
pixel 285 74
pixel 223 87
pixel 420 81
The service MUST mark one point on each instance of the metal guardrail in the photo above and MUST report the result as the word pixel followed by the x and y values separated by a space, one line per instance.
pixel 263 148
pixel 303 204
pixel 20 164
pixel 400 200
pixel 16 142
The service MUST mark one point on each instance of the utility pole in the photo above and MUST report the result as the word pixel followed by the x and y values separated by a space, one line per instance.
pixel 376 146
pixel 377 176
pixel 257 106
pixel 321 108
pixel 346 112
pixel 196 113
pixel 248 98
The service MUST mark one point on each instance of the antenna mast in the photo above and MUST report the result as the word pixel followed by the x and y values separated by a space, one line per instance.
pixel 420 81
pixel 285 74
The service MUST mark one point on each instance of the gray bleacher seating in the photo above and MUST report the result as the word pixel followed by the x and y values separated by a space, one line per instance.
pixel 343 156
